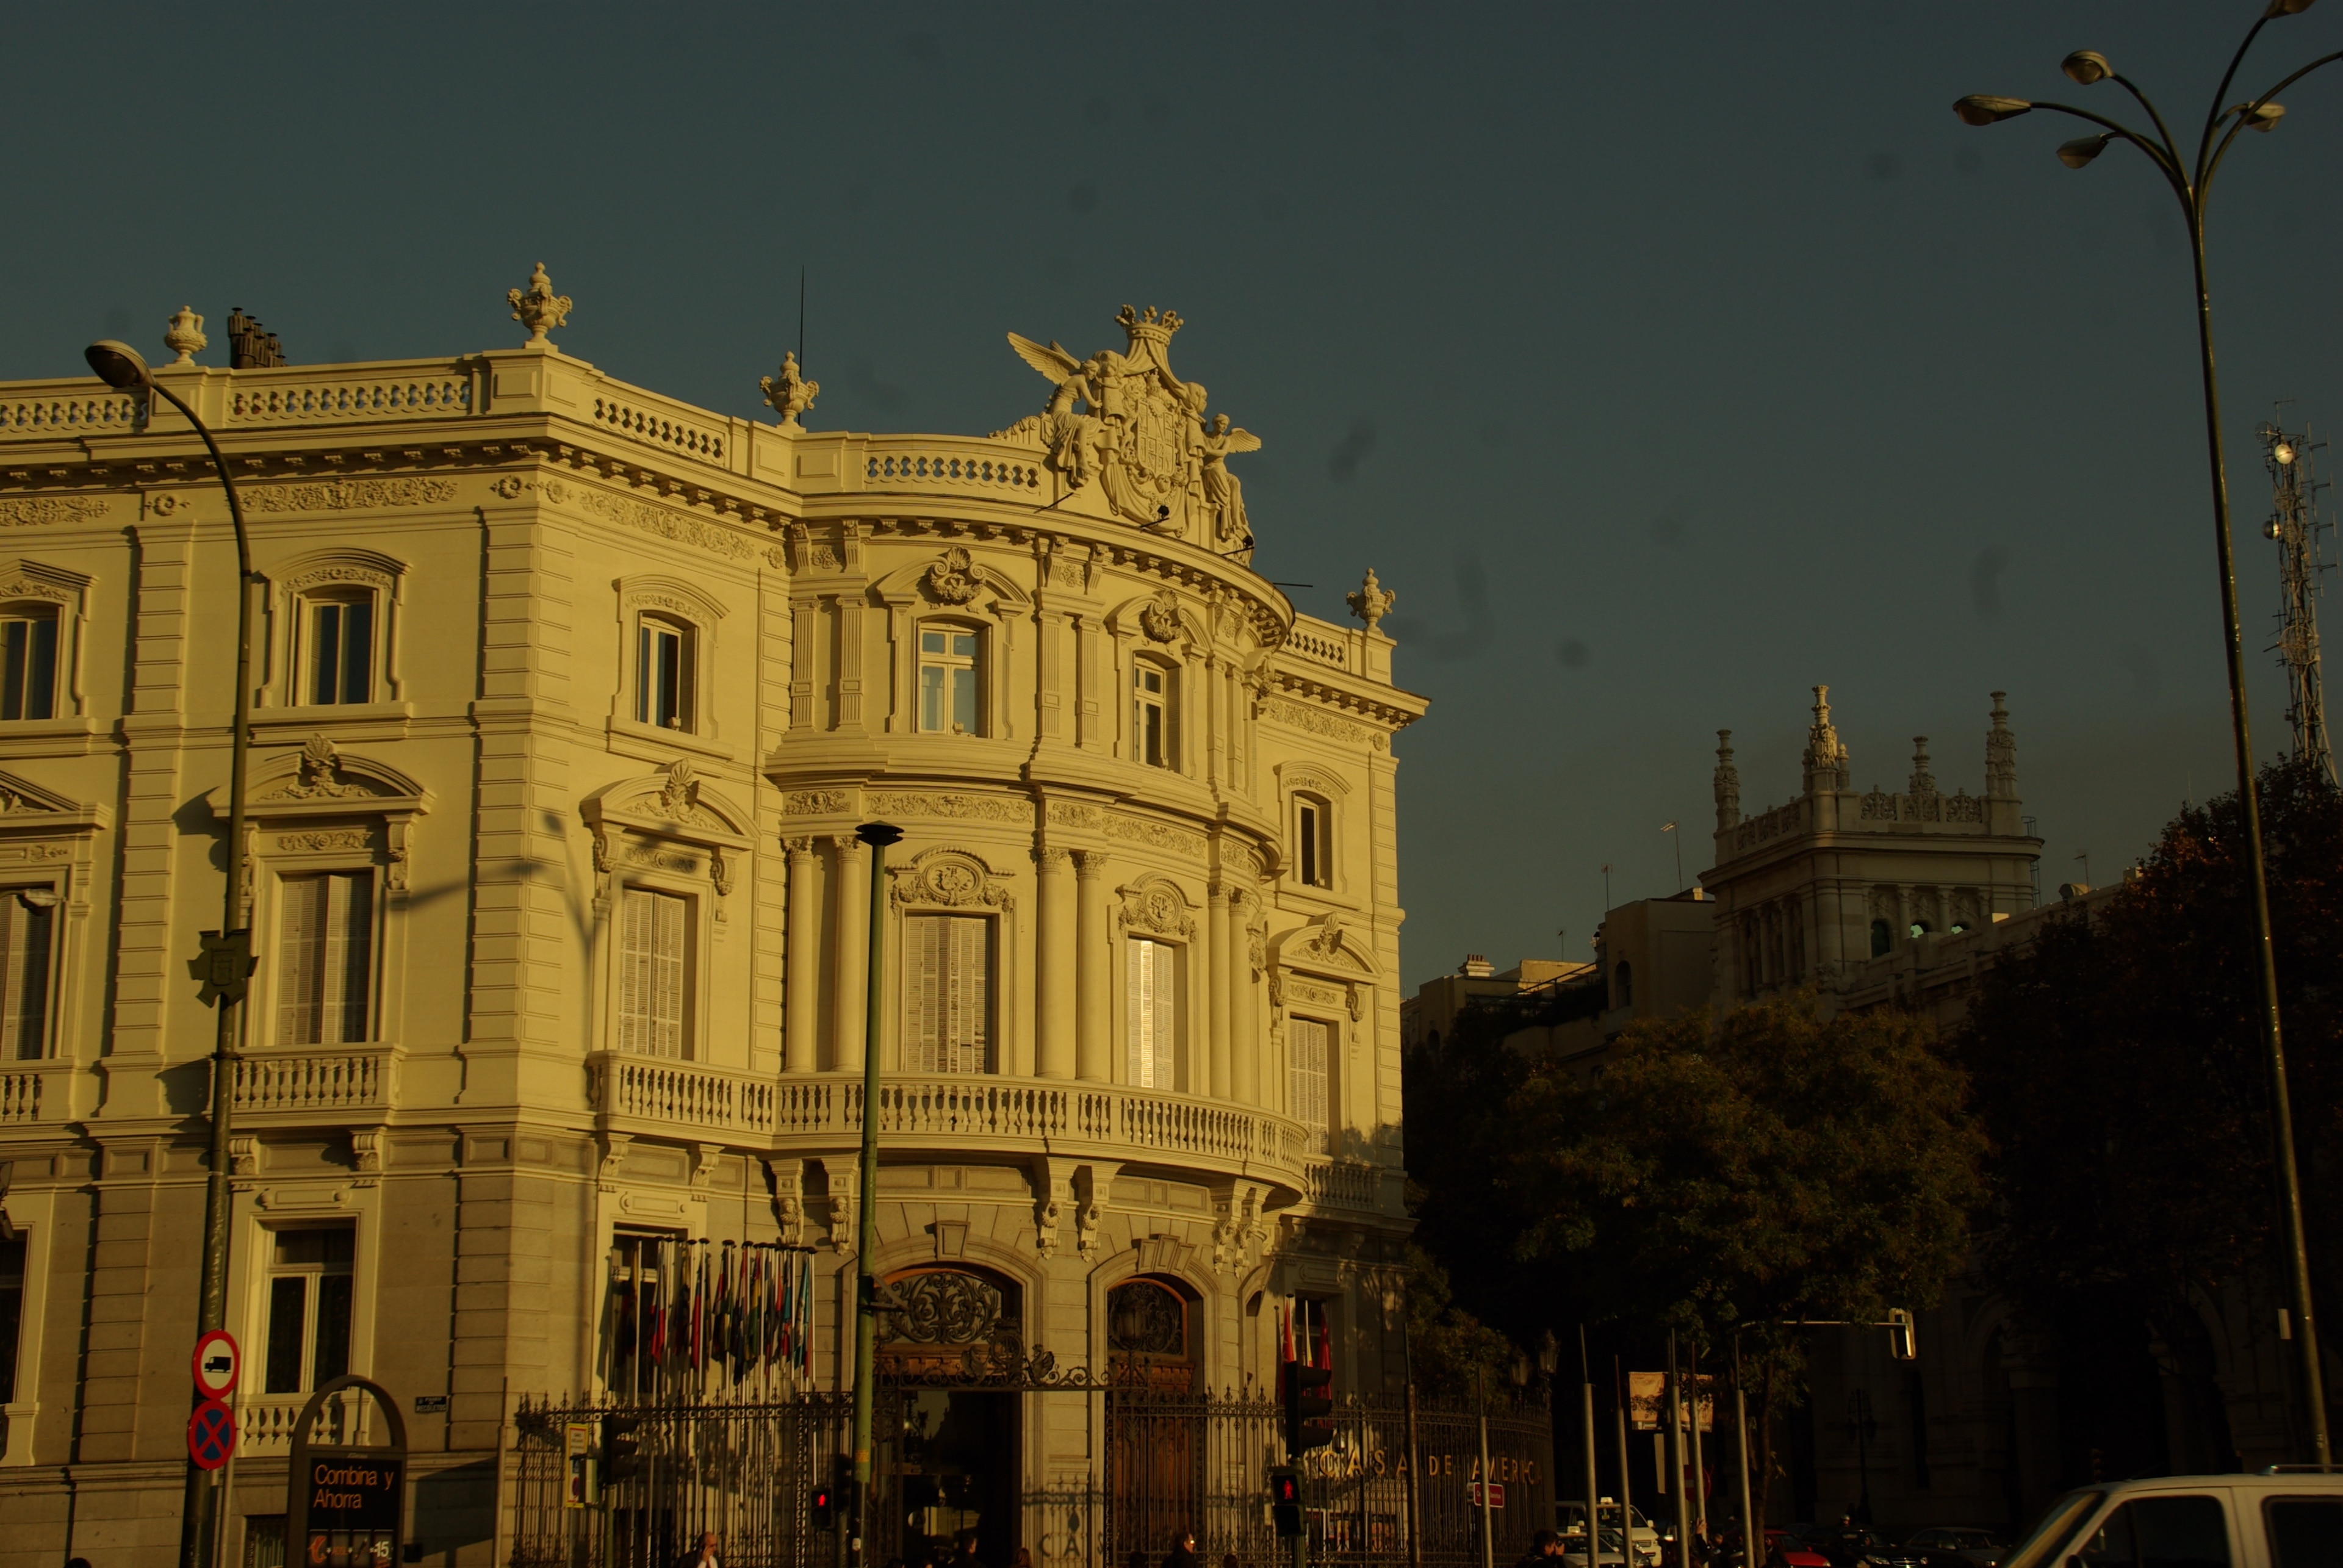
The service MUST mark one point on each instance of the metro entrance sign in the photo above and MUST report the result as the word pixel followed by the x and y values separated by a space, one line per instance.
pixel 344 1504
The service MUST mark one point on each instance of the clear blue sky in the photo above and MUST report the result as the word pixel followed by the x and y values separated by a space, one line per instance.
pixel 1666 359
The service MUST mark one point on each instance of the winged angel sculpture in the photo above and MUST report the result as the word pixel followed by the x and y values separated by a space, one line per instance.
pixel 1126 421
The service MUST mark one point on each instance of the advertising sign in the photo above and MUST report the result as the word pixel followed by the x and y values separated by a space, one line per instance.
pixel 1647 1400
pixel 345 1505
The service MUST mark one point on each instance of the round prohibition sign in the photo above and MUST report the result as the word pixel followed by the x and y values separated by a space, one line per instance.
pixel 217 1363
pixel 211 1435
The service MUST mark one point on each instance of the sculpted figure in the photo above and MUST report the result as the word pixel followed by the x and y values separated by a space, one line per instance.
pixel 1223 492
pixel 1073 439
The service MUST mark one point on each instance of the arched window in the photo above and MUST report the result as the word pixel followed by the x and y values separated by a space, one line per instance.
pixel 952 679
pixel 336 646
pixel 1151 714
pixel 1883 937
pixel 1314 841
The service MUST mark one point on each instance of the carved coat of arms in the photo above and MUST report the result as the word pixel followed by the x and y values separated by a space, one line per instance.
pixel 1126 421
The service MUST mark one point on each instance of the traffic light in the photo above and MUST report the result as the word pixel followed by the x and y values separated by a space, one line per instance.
pixel 622 1448
pixel 822 1508
pixel 1308 1400
pixel 1903 1336
pixel 1285 1501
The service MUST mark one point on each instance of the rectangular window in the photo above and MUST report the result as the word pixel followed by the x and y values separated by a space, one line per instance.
pixel 652 988
pixel 950 961
pixel 341 651
pixel 309 1308
pixel 2161 1532
pixel 27 917
pixel 2304 1532
pixel 948 677
pixel 1150 716
pixel 326 959
pixel 1306 1041
pixel 663 675
pixel 28 665
pixel 1153 1005
pixel 11 1317
pixel 1313 842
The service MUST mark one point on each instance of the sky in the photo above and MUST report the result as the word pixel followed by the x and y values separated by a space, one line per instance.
pixel 1668 360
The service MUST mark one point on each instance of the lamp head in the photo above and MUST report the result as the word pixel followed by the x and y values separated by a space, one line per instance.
pixel 2082 150
pixel 2087 67
pixel 2283 452
pixel 1985 109
pixel 2264 117
pixel 2285 8
pixel 119 365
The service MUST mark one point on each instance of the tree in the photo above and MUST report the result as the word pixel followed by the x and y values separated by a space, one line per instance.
pixel 2119 1072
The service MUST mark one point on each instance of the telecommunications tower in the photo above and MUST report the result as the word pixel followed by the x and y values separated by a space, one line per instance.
pixel 2296 525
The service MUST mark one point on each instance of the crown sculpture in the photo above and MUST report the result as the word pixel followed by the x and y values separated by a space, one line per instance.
pixel 537 307
pixel 1126 421
pixel 789 393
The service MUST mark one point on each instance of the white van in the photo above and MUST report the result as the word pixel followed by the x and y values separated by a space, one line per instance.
pixel 2281 1518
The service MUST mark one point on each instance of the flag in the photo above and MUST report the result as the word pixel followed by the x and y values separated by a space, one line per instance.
pixel 805 1316
pixel 1325 1359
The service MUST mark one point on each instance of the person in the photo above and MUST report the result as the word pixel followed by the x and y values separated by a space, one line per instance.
pixel 1024 1558
pixel 1543 1546
pixel 964 1550
pixel 1228 1560
pixel 706 1555
pixel 1183 1550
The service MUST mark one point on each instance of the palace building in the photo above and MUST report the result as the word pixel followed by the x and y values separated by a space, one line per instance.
pixel 567 700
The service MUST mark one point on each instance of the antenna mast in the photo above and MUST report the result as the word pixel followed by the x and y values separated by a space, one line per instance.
pixel 2296 525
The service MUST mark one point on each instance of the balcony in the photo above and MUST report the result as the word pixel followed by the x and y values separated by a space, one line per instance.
pixel 650 1097
pixel 339 1083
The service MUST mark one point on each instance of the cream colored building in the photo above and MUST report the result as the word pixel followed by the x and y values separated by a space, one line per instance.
pixel 568 698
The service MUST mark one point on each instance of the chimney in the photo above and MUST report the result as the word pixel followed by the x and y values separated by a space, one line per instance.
pixel 1475 966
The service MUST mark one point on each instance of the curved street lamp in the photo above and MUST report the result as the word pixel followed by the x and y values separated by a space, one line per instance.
pixel 2191 180
pixel 227 952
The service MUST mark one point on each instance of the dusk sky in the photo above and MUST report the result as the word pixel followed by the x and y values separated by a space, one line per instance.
pixel 1668 360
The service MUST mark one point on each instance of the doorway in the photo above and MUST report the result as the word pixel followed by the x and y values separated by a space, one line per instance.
pixel 956 1470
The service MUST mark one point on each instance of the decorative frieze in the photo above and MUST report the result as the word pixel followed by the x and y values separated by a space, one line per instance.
pixel 347 495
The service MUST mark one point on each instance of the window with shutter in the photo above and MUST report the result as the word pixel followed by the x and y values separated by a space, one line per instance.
pixel 325 990
pixel 27 917
pixel 1306 1040
pixel 948 1022
pixel 29 663
pixel 1153 1008
pixel 340 652
pixel 654 989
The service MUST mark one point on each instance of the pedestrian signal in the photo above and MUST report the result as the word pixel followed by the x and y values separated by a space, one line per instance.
pixel 1903 1337
pixel 1309 1401
pixel 822 1508
pixel 1285 1501
pixel 622 1448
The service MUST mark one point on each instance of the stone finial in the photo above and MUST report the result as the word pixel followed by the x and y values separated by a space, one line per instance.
pixel 537 307
pixel 185 335
pixel 789 393
pixel 1825 766
pixel 1923 781
pixel 1728 784
pixel 1373 602
pixel 2000 754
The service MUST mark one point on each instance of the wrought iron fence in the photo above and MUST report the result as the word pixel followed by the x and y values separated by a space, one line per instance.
pixel 1168 1464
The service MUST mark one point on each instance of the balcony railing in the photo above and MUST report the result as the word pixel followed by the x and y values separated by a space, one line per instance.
pixel 325 1080
pixel 650 1095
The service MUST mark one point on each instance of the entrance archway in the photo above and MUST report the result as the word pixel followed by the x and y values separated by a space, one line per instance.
pixel 951 1456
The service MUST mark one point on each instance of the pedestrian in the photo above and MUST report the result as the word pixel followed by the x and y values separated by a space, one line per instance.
pixel 1543 1546
pixel 1229 1561
pixel 1183 1550
pixel 1024 1558
pixel 964 1550
pixel 706 1555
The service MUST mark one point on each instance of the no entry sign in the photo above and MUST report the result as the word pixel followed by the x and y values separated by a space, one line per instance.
pixel 216 1364
pixel 211 1435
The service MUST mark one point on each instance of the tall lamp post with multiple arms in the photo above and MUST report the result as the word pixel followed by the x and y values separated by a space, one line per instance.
pixel 2191 180
pixel 227 952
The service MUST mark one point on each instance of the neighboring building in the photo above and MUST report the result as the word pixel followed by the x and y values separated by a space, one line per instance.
pixel 569 699
pixel 1431 1013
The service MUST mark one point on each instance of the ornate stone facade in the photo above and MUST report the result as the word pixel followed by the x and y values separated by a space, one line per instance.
pixel 616 678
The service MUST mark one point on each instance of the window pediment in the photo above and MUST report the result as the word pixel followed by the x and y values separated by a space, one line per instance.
pixel 948 879
pixel 955 579
pixel 1326 945
pixel 672 803
pixel 1310 778
pixel 26 807
pixel 23 579
pixel 672 595
pixel 1156 905
pixel 1160 618
pixel 320 779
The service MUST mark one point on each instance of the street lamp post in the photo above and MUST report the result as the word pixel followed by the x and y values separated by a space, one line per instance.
pixel 2191 180
pixel 227 952
pixel 878 836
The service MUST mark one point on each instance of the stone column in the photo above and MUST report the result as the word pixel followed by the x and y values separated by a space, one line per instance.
pixel 1054 981
pixel 1244 1006
pixel 1216 1015
pixel 1094 966
pixel 852 952
pixel 800 993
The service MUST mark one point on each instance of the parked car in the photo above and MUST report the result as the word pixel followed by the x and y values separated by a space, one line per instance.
pixel 1569 1519
pixel 1786 1550
pixel 1952 1546
pixel 1857 1546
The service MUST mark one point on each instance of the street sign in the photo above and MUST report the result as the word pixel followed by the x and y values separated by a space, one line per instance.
pixel 217 1364
pixel 1496 1493
pixel 211 1435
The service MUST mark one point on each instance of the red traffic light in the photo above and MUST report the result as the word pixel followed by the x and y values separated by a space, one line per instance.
pixel 1284 1486
pixel 822 1508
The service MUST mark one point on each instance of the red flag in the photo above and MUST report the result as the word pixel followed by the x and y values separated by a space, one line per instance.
pixel 1326 1348
pixel 1285 1332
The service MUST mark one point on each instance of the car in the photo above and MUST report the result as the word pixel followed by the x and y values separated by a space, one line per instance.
pixel 1957 1546
pixel 1857 1546
pixel 1569 1519
pixel 2284 1517
pixel 1790 1551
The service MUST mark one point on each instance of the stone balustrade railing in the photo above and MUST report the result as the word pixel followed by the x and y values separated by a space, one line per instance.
pixel 649 1097
pixel 1319 647
pixel 314 1081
